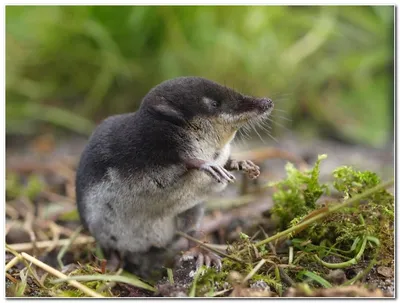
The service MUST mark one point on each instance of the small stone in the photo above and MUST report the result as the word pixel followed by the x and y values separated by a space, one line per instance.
pixel 235 278
pixel 337 276
pixel 192 273
pixel 385 271
pixel 261 285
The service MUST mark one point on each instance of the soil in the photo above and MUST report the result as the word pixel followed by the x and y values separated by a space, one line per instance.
pixel 40 156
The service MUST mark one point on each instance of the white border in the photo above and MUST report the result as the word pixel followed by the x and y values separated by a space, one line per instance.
pixel 2 184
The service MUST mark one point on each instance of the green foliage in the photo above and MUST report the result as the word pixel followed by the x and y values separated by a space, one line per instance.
pixel 65 290
pixel 335 63
pixel 315 277
pixel 212 280
pixel 14 188
pixel 34 187
pixel 371 219
pixel 297 194
pixel 352 182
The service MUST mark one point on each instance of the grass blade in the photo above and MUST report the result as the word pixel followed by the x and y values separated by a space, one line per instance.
pixel 131 280
pixel 316 278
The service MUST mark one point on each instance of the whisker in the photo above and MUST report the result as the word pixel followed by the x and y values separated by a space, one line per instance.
pixel 239 140
pixel 280 110
pixel 262 125
pixel 264 128
pixel 281 117
pixel 272 137
pixel 273 121
pixel 245 132
pixel 255 129
pixel 278 95
pixel 265 124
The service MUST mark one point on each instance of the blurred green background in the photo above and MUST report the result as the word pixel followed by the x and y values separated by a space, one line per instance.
pixel 329 69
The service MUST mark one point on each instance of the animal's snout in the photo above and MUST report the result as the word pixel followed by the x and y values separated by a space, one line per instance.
pixel 266 104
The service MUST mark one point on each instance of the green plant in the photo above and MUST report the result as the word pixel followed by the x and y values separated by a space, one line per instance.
pixel 334 63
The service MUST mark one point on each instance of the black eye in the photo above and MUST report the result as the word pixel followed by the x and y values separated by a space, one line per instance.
pixel 211 103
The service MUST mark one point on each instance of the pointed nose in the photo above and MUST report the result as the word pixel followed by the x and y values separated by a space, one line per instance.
pixel 266 104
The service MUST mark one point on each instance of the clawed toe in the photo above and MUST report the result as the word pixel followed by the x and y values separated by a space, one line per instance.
pixel 252 170
pixel 203 257
pixel 218 172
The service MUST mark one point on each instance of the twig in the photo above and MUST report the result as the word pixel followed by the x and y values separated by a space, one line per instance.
pixel 16 254
pixel 218 293
pixel 28 226
pixel 13 262
pixel 19 247
pixel 285 276
pixel 11 211
pixel 271 246
pixel 60 275
pixel 9 226
pixel 346 203
pixel 56 236
pixel 208 247
pixel 218 246
pixel 67 245
pixel 11 278
pixel 253 271
pixel 290 254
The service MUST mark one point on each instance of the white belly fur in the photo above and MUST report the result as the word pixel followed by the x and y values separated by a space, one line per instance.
pixel 143 220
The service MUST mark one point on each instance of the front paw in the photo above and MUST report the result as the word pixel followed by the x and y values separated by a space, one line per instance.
pixel 203 257
pixel 252 170
pixel 218 172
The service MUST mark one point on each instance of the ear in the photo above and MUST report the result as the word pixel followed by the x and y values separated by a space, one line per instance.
pixel 167 112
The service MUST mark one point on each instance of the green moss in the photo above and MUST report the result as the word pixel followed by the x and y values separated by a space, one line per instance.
pixel 65 290
pixel 14 188
pixel 297 196
pixel 34 186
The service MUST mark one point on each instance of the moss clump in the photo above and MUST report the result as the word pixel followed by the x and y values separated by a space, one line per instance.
pixel 297 194
pixel 14 187
pixel 297 197
pixel 213 281
pixel 65 290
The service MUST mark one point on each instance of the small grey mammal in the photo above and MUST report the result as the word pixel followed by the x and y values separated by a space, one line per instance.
pixel 144 175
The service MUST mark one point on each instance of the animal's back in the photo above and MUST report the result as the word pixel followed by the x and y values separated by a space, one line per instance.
pixel 96 158
pixel 129 186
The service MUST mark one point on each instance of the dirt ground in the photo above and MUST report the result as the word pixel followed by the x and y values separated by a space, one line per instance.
pixel 52 215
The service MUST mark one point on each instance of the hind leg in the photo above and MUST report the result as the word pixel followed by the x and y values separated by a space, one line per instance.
pixel 189 222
